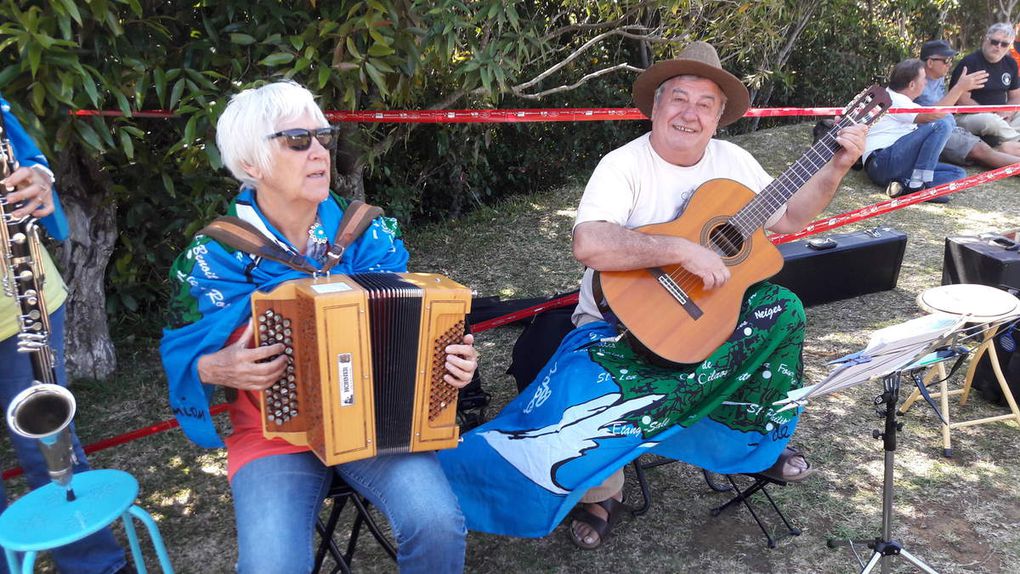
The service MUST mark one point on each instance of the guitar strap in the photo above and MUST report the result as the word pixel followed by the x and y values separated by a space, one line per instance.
pixel 600 301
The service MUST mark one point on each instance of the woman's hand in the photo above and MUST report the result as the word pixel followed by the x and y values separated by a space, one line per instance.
pixel 461 362
pixel 33 188
pixel 239 366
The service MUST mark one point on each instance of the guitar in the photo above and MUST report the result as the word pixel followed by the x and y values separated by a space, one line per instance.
pixel 666 309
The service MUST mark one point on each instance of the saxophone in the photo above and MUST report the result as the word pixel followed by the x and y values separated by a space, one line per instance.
pixel 44 410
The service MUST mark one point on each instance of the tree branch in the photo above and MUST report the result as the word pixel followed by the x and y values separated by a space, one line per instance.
pixel 537 96
pixel 624 32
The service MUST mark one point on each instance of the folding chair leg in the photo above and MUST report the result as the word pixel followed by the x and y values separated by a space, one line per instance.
pixel 744 497
pixel 646 493
pixel 328 544
pixel 373 528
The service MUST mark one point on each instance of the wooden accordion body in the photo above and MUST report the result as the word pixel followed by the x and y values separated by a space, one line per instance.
pixel 367 361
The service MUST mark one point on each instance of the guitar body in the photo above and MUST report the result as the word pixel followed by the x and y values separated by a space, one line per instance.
pixel 683 322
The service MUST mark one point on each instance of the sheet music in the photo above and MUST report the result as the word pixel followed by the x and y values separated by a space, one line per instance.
pixel 888 350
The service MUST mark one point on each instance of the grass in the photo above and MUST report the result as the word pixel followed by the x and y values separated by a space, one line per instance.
pixel 959 515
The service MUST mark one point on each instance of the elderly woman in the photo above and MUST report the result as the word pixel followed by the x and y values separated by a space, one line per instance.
pixel 276 142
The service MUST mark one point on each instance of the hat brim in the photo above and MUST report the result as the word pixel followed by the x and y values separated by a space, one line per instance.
pixel 738 101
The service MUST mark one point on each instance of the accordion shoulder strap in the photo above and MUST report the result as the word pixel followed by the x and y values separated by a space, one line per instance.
pixel 240 234
pixel 357 217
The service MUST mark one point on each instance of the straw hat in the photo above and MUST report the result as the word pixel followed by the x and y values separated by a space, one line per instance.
pixel 697 59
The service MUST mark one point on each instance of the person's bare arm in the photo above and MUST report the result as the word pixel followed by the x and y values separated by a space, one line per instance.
pixel 816 194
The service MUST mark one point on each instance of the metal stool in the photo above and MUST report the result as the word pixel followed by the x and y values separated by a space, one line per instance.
pixel 44 519
pixel 340 493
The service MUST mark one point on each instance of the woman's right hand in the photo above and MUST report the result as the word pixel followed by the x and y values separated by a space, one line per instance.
pixel 239 366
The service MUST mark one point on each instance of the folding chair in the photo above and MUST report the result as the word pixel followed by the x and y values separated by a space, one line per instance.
pixel 742 496
pixel 340 493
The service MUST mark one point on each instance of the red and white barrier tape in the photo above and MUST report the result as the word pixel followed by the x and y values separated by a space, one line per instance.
pixel 898 203
pixel 549 114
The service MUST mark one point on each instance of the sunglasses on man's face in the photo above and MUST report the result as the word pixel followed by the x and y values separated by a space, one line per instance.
pixel 300 139
pixel 943 60
pixel 999 43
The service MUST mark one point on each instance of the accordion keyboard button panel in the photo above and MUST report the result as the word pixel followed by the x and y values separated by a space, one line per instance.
pixel 280 397
pixel 443 394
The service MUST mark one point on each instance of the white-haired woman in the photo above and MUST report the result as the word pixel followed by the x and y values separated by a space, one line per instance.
pixel 276 141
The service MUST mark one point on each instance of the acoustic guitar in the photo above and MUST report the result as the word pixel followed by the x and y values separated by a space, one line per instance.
pixel 666 309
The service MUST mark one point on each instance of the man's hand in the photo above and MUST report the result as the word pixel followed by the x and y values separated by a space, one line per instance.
pixel 31 187
pixel 706 264
pixel 239 367
pixel 974 81
pixel 851 141
pixel 461 362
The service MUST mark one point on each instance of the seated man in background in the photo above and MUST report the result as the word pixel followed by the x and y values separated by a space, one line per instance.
pixel 902 150
pixel 1002 87
pixel 963 147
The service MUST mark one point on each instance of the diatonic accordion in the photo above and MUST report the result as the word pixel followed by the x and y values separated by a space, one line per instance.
pixel 367 359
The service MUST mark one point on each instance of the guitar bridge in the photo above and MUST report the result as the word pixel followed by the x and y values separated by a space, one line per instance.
pixel 677 292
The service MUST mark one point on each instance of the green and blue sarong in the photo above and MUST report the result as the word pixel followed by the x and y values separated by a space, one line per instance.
pixel 597 405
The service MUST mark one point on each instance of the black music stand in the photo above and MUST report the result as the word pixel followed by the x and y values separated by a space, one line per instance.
pixel 908 348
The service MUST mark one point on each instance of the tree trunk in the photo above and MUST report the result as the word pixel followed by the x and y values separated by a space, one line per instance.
pixel 84 192
pixel 348 169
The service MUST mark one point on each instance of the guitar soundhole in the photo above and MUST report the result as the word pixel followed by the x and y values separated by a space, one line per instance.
pixel 727 240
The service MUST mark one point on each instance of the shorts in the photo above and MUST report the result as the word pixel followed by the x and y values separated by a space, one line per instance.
pixel 960 143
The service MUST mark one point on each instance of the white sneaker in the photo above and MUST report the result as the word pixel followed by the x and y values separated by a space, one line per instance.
pixel 894 189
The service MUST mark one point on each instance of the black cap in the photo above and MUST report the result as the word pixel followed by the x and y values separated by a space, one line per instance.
pixel 937 48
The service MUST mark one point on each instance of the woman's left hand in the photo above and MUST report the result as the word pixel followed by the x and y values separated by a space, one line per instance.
pixel 461 362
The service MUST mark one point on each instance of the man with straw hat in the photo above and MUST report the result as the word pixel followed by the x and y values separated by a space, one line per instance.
pixel 598 404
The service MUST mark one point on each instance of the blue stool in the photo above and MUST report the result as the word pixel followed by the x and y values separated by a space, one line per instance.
pixel 44 519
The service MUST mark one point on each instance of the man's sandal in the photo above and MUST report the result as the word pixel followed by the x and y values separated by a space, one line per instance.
pixel 616 511
pixel 784 470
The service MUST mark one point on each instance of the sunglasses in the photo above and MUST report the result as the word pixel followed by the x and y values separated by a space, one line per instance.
pixel 300 139
pixel 999 43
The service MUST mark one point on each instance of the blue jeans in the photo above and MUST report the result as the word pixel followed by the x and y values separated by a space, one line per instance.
pixel 98 553
pixel 276 500
pixel 918 150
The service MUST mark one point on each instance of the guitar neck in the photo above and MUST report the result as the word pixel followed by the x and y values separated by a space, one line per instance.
pixel 754 215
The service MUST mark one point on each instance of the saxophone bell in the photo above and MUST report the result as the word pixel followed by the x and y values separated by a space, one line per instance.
pixel 44 412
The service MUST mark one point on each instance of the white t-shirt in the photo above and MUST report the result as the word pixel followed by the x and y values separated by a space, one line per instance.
pixel 890 127
pixel 633 186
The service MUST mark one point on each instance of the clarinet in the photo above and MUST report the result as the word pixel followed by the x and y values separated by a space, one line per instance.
pixel 44 410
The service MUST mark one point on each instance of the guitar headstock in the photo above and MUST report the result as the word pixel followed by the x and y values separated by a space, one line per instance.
pixel 868 106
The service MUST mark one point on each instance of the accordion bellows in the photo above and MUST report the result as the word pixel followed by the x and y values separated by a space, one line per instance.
pixel 367 359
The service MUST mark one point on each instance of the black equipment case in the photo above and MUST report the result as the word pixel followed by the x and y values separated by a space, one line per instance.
pixel 842 265
pixel 991 259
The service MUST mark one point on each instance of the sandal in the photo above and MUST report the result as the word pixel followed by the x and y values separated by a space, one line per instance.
pixel 616 511
pixel 785 471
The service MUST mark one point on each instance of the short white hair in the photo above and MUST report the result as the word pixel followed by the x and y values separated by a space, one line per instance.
pixel 254 114
pixel 1001 28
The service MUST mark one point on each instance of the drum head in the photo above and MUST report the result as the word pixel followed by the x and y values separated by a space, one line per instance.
pixel 980 303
